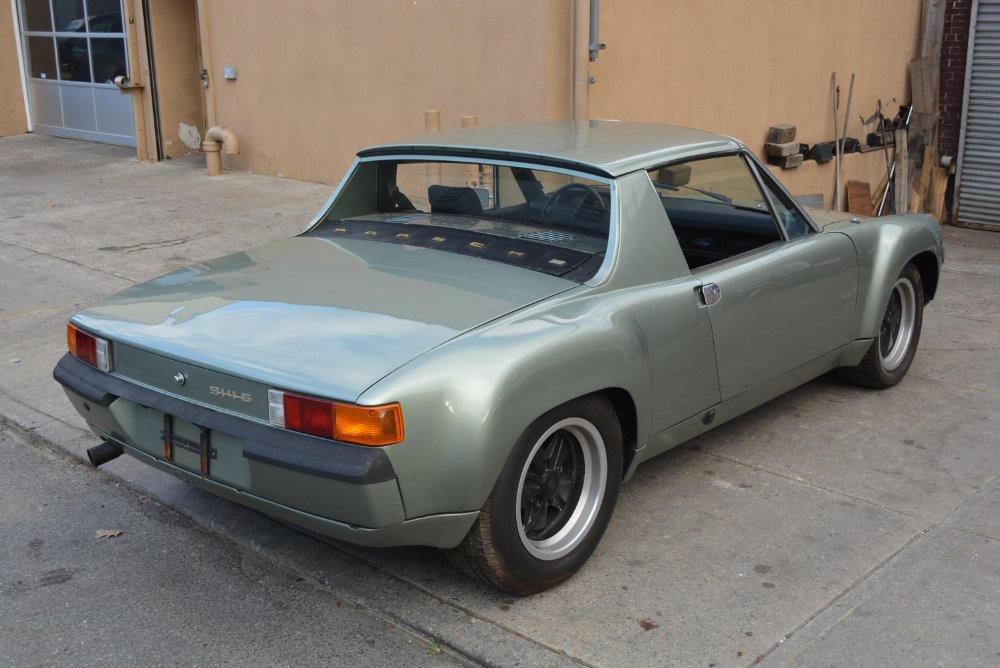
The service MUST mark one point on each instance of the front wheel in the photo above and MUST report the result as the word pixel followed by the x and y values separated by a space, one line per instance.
pixel 552 502
pixel 891 353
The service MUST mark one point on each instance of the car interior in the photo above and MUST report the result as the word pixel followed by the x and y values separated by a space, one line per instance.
pixel 717 210
pixel 517 194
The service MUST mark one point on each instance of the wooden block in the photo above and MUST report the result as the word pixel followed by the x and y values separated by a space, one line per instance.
pixel 786 162
pixel 791 161
pixel 675 175
pixel 902 175
pixel 920 134
pixel 939 182
pixel 859 198
pixel 924 189
pixel 933 28
pixel 924 75
pixel 781 134
pixel 781 150
pixel 813 201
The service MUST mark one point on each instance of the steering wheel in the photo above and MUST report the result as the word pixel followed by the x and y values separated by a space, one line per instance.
pixel 589 193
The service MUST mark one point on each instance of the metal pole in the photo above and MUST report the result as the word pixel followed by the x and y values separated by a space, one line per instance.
pixel 836 140
pixel 843 140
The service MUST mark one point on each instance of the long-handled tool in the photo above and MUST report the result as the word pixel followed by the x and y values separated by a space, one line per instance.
pixel 843 138
pixel 891 184
pixel 836 137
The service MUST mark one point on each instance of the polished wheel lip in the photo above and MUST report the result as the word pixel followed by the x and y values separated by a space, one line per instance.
pixel 898 325
pixel 591 496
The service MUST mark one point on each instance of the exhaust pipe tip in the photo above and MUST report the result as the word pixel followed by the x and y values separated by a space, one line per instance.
pixel 103 453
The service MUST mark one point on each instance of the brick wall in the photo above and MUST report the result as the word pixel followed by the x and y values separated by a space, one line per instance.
pixel 954 47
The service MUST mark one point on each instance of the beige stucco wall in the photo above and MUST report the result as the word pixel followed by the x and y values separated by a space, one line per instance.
pixel 12 117
pixel 319 80
pixel 738 67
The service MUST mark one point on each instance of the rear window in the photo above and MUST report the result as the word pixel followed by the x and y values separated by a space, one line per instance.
pixel 528 216
pixel 534 196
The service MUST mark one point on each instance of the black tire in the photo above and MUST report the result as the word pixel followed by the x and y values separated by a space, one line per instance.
pixel 557 461
pixel 891 353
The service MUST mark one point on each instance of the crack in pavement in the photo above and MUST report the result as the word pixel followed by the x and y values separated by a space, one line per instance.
pixel 166 243
pixel 68 261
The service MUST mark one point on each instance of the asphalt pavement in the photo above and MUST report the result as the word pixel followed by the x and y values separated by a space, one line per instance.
pixel 832 526
pixel 120 580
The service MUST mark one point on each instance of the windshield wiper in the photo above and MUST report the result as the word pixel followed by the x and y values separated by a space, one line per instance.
pixel 707 193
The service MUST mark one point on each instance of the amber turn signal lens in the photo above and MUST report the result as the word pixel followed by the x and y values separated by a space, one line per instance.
pixel 361 425
pixel 368 425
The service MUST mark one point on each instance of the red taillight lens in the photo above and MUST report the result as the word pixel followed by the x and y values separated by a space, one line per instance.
pixel 362 425
pixel 310 416
pixel 91 349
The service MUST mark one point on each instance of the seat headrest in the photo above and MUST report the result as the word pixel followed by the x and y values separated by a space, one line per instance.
pixel 447 199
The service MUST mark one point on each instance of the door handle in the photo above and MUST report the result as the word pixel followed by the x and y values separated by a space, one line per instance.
pixel 710 294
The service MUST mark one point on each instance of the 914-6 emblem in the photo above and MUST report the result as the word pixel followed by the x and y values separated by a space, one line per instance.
pixel 217 391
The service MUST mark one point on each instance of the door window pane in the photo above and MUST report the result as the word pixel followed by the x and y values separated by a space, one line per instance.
pixel 109 58
pixel 37 15
pixel 715 208
pixel 42 56
pixel 105 15
pixel 69 15
pixel 791 219
pixel 74 61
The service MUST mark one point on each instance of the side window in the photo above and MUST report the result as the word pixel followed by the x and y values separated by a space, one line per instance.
pixel 715 208
pixel 791 218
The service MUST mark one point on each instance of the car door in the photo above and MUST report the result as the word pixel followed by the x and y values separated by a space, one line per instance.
pixel 779 293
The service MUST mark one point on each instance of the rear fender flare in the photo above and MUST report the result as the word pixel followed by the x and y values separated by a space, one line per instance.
pixel 885 246
pixel 461 427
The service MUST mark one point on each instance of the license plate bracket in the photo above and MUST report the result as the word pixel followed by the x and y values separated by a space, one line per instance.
pixel 202 447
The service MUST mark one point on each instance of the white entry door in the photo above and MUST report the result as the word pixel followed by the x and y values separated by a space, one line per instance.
pixel 73 51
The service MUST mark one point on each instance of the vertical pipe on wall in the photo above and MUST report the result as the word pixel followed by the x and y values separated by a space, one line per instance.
pixel 581 59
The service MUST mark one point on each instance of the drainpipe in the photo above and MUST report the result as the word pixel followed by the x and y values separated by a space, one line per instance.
pixel 581 60
pixel 218 139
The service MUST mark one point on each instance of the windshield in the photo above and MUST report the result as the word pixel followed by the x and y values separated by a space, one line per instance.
pixel 524 215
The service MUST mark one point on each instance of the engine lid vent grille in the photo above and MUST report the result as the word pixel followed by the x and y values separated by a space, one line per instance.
pixel 548 236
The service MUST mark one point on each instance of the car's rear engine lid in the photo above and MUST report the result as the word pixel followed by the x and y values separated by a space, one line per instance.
pixel 319 316
pixel 571 254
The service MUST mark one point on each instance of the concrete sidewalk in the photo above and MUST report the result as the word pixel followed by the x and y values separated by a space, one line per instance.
pixel 832 526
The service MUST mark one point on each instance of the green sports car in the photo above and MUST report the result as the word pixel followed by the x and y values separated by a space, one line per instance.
pixel 483 333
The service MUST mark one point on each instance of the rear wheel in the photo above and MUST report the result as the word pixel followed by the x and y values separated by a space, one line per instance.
pixel 891 353
pixel 552 502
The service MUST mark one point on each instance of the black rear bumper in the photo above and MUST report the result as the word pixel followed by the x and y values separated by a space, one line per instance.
pixel 270 445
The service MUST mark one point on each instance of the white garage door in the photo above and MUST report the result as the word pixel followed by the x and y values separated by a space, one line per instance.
pixel 73 51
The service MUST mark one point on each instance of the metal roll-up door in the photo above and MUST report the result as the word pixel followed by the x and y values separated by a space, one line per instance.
pixel 978 180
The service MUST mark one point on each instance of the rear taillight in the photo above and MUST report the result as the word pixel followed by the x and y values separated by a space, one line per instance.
pixel 363 425
pixel 91 349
